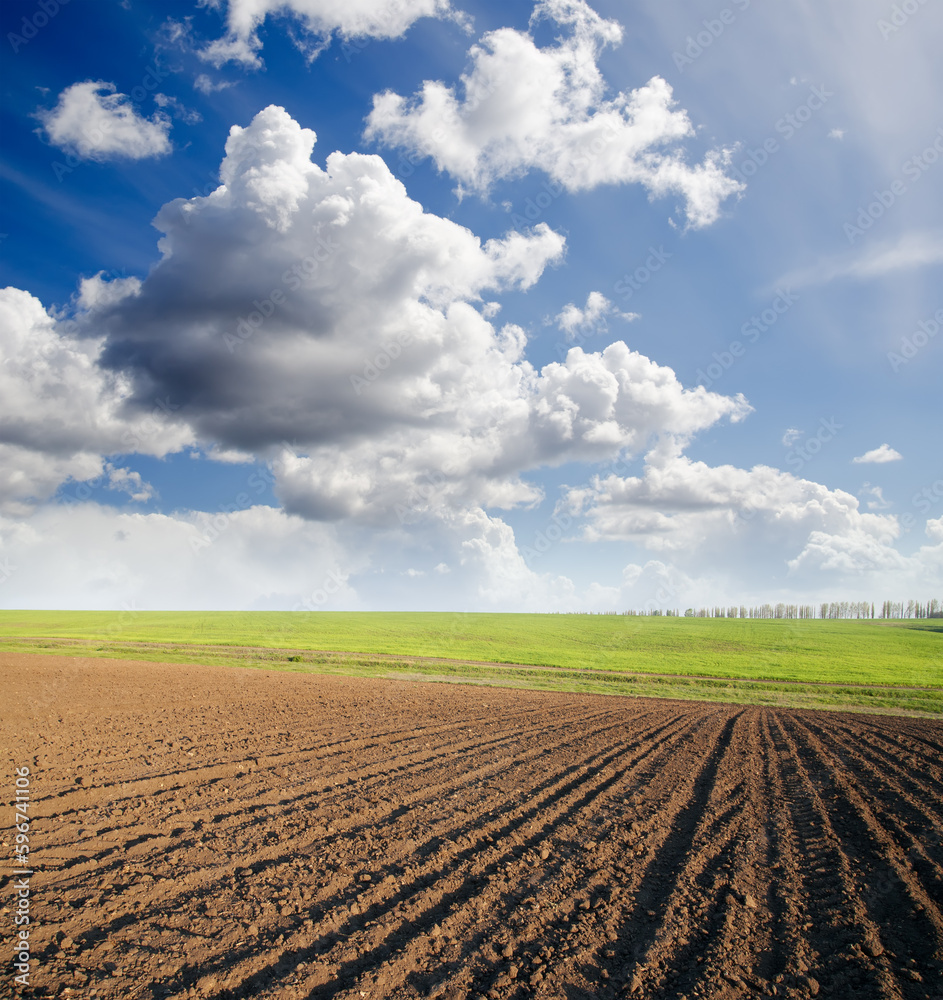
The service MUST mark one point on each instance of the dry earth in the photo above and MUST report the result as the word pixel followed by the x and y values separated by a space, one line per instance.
pixel 218 833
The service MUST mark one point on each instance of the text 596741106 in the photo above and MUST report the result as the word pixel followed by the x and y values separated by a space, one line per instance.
pixel 21 876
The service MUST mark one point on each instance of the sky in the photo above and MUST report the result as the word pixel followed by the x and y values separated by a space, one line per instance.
pixel 443 306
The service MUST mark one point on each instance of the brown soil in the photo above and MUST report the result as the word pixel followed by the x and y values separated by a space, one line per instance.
pixel 218 833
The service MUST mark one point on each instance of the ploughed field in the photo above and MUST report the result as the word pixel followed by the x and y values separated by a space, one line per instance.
pixel 214 832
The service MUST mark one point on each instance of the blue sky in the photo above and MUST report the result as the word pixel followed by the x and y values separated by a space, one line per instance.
pixel 592 307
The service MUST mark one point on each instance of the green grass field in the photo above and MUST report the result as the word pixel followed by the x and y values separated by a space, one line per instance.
pixel 874 664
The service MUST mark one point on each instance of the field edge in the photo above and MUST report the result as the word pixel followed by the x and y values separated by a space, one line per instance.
pixel 906 701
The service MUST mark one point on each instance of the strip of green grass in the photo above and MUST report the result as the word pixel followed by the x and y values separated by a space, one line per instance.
pixel 906 654
pixel 895 700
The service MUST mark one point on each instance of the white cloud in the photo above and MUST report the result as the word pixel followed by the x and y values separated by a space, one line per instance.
pixel 791 436
pixel 178 109
pixel 934 530
pixel 338 329
pixel 100 293
pixel 260 557
pixel 319 319
pixel 95 123
pixel 910 251
pixel 59 411
pixel 726 535
pixel 850 552
pixel 525 107
pixel 755 517
pixel 885 453
pixel 28 476
pixel 207 86
pixel 130 482
pixel 877 501
pixel 320 19
pixel 837 133
pixel 591 318
pixel 95 557
pixel 852 558
pixel 677 501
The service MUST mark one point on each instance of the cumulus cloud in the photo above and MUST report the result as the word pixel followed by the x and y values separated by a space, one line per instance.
pixel 591 318
pixel 60 412
pixel 885 453
pixel 754 517
pixel 320 19
pixel 318 319
pixel 676 500
pixel 94 122
pixel 849 552
pixel 321 319
pixel 523 107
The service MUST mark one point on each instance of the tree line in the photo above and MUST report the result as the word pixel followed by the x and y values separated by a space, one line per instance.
pixel 825 609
